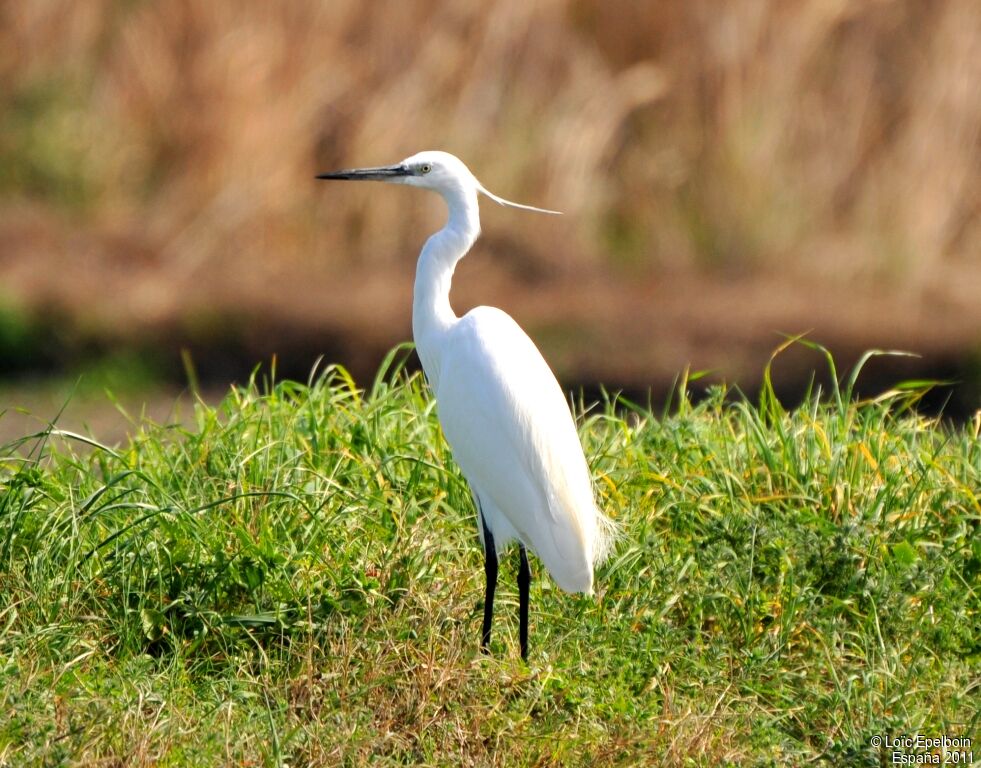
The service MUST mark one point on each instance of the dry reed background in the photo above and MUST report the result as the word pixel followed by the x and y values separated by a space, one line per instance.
pixel 728 171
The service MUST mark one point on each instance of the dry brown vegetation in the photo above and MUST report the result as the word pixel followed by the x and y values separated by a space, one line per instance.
pixel 728 171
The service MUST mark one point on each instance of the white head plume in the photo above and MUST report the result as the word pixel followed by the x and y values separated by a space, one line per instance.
pixel 509 204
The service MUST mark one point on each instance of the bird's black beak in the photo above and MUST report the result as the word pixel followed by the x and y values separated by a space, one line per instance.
pixel 383 173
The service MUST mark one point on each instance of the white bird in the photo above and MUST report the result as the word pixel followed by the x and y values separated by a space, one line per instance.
pixel 500 406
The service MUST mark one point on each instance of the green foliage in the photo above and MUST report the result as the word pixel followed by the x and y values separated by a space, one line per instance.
pixel 18 336
pixel 295 579
pixel 46 144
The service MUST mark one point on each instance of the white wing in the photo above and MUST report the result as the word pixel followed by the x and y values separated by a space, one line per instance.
pixel 513 436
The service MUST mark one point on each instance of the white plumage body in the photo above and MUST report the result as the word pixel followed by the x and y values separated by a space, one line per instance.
pixel 511 431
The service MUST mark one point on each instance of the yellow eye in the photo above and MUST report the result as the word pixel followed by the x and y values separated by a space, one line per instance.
pixel 425 167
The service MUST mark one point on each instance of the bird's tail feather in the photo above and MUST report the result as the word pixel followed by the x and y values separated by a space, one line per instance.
pixel 606 535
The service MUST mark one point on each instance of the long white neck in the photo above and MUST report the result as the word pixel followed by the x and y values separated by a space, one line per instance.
pixel 432 315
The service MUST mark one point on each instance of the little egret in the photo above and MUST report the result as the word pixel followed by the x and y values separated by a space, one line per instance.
pixel 500 406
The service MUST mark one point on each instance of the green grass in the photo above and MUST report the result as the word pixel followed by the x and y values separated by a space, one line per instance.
pixel 296 580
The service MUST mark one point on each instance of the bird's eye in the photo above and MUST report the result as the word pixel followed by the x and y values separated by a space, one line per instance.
pixel 425 168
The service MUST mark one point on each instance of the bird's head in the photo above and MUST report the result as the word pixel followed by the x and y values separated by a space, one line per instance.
pixel 439 171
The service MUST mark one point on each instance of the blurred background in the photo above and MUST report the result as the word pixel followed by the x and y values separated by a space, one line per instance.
pixel 729 173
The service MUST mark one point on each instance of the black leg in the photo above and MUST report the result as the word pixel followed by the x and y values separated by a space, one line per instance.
pixel 524 581
pixel 490 571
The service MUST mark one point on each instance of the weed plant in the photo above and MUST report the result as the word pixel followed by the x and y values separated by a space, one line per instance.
pixel 295 579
